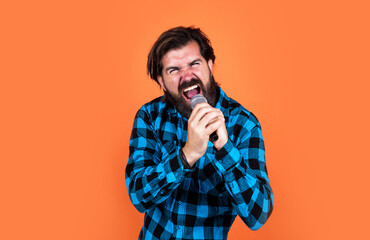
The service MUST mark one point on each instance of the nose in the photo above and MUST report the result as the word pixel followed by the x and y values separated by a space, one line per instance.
pixel 187 75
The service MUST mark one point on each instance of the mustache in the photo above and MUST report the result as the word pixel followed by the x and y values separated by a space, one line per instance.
pixel 193 81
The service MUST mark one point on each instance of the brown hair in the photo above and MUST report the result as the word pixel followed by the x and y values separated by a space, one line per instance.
pixel 176 38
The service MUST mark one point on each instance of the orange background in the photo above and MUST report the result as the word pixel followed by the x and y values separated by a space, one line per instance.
pixel 73 76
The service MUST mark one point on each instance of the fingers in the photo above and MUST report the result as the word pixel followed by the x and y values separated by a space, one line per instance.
pixel 206 117
pixel 198 111
pixel 204 112
pixel 215 124
pixel 203 121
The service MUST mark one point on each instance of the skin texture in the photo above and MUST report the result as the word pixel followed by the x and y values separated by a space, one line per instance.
pixel 180 66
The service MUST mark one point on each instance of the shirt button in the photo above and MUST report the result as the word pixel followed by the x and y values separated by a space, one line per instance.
pixel 177 227
pixel 179 202
pixel 176 174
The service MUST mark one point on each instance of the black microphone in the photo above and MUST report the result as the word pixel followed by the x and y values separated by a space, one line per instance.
pixel 199 98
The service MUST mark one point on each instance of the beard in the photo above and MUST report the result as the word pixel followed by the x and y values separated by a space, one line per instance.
pixel 210 92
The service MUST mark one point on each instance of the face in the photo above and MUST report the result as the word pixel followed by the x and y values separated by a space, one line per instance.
pixel 186 73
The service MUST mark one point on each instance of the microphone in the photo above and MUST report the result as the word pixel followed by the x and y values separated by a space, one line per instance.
pixel 199 98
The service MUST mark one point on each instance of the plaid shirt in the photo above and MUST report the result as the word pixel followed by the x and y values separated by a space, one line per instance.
pixel 198 203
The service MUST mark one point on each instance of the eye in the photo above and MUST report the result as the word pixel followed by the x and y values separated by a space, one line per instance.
pixel 173 71
pixel 193 64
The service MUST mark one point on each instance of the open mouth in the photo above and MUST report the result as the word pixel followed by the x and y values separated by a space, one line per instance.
pixel 191 91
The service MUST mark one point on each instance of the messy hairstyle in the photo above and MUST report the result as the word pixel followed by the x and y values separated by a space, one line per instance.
pixel 176 38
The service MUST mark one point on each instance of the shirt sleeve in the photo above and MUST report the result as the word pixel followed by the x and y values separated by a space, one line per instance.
pixel 244 170
pixel 154 170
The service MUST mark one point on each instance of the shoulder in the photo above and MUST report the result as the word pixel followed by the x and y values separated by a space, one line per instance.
pixel 237 112
pixel 236 109
pixel 153 106
pixel 158 107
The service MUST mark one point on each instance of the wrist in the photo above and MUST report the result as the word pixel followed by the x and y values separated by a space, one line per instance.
pixel 184 160
pixel 189 157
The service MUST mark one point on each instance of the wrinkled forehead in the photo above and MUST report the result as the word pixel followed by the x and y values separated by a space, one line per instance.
pixel 183 55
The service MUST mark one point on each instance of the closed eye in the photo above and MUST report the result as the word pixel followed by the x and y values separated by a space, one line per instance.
pixel 172 70
pixel 195 62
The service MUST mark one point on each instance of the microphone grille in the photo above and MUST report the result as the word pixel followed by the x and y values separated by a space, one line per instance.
pixel 198 98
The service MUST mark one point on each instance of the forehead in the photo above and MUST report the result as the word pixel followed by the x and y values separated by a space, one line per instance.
pixel 183 55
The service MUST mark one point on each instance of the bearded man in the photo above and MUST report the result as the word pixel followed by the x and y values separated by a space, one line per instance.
pixel 191 186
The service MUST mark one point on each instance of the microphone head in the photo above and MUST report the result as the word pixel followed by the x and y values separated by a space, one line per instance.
pixel 198 98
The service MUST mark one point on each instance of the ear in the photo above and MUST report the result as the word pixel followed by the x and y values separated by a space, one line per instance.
pixel 210 65
pixel 160 81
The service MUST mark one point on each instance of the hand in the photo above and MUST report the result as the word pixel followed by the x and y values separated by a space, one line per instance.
pixel 203 121
pixel 223 137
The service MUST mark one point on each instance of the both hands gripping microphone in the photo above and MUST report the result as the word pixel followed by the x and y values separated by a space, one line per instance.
pixel 199 98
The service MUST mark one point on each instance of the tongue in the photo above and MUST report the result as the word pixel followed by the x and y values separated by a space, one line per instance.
pixel 191 93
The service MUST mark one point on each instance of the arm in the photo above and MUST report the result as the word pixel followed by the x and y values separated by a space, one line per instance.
pixel 242 164
pixel 153 170
pixel 244 170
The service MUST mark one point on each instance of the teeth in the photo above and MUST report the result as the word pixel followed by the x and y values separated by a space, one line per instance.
pixel 190 88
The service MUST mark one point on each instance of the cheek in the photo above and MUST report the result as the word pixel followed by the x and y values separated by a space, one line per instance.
pixel 172 85
pixel 204 75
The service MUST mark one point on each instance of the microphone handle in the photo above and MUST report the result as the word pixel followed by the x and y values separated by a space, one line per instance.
pixel 213 137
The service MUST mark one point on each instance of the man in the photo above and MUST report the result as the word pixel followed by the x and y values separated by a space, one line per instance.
pixel 188 186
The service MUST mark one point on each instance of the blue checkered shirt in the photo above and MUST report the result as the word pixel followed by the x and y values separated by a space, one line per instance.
pixel 198 203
